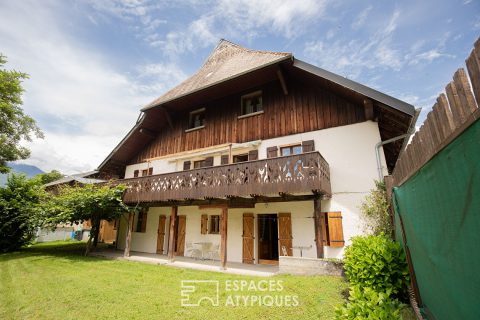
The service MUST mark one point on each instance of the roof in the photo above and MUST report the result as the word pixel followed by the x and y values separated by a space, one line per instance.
pixel 357 87
pixel 228 60
pixel 73 178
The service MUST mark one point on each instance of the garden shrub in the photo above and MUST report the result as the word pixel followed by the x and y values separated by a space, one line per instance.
pixel 378 263
pixel 367 303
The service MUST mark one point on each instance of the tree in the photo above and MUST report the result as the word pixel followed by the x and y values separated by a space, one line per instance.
pixel 15 125
pixel 88 202
pixel 19 201
pixel 375 210
pixel 48 177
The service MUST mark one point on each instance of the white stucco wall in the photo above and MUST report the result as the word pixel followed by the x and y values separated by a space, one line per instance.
pixel 350 152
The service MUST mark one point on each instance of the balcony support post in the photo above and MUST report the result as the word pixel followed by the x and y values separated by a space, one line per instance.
pixel 319 220
pixel 172 235
pixel 128 241
pixel 223 239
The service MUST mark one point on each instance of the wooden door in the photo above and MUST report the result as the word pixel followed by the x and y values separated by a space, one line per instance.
pixel 180 243
pixel 248 237
pixel 285 233
pixel 161 234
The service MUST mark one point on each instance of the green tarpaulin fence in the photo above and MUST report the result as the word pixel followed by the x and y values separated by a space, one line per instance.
pixel 440 208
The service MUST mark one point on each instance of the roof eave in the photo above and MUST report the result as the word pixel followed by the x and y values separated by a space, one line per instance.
pixel 385 99
pixel 151 105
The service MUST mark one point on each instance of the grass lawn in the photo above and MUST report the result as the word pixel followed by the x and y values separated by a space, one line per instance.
pixel 54 281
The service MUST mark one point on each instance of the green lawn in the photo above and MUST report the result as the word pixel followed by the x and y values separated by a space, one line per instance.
pixel 54 281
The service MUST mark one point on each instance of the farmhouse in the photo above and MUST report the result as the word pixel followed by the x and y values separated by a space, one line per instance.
pixel 257 155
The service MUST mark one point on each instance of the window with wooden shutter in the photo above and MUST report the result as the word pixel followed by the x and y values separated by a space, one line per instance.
pixel 214 227
pixel 272 152
pixel 224 159
pixel 186 165
pixel 253 155
pixel 334 229
pixel 209 162
pixel 204 223
pixel 135 173
pixel 308 146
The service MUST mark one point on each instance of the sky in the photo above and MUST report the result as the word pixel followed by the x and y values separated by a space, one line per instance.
pixel 94 64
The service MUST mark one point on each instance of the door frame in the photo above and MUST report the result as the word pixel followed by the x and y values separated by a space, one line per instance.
pixel 266 261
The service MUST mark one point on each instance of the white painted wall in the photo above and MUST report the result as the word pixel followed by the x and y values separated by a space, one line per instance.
pixel 350 152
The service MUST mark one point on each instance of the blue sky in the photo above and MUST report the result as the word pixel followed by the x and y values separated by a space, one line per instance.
pixel 94 64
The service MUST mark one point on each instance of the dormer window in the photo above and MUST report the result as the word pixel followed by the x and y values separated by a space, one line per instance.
pixel 252 103
pixel 196 119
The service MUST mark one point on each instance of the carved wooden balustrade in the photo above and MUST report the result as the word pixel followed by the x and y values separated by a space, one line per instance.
pixel 302 173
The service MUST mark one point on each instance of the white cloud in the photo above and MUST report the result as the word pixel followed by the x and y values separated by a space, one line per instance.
pixel 361 18
pixel 82 103
pixel 351 57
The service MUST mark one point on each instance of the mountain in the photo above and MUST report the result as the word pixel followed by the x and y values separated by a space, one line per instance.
pixel 27 169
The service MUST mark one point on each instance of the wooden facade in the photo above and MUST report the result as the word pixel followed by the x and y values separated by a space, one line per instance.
pixel 304 109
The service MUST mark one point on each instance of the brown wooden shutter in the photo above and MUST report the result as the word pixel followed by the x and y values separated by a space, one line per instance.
pixel 285 233
pixel 224 159
pixel 204 223
pixel 253 155
pixel 308 146
pixel 161 234
pixel 272 152
pixel 186 165
pixel 135 173
pixel 248 238
pixel 150 171
pixel 335 229
pixel 209 162
pixel 181 235
pixel 144 221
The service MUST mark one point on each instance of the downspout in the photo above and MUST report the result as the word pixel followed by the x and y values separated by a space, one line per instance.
pixel 410 132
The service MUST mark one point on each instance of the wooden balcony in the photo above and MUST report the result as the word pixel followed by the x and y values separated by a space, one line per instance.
pixel 302 174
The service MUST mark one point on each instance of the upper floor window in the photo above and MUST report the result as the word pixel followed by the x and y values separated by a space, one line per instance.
pixel 252 103
pixel 147 172
pixel 240 158
pixel 135 173
pixel 196 119
pixel 291 150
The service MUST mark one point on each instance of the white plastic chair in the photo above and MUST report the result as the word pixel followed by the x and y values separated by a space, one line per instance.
pixel 214 253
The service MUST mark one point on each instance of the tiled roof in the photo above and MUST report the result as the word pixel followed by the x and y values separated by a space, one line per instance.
pixel 228 60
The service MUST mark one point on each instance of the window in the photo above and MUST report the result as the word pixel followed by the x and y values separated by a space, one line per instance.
pixel 214 227
pixel 207 162
pixel 240 158
pixel 252 103
pixel 147 172
pixel 197 119
pixel 135 173
pixel 291 150
pixel 140 221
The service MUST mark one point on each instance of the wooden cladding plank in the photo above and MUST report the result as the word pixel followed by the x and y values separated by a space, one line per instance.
pixel 473 67
pixel 455 104
pixel 464 91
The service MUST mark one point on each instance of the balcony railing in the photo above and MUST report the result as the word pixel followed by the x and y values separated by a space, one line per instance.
pixel 297 174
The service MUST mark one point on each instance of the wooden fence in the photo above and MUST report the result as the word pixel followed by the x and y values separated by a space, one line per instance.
pixel 450 116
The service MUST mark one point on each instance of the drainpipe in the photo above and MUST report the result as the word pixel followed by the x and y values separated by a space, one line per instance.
pixel 411 131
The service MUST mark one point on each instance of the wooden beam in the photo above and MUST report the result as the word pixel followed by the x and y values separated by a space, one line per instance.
pixel 167 115
pixel 368 105
pixel 282 81
pixel 319 221
pixel 172 236
pixel 223 240
pixel 149 133
pixel 128 243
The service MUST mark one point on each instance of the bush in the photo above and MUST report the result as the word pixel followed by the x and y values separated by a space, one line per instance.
pixel 378 263
pixel 366 303
pixel 375 211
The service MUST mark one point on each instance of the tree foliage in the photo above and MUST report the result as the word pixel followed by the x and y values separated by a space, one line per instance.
pixel 15 125
pixel 19 201
pixel 48 177
pixel 80 203
pixel 375 211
